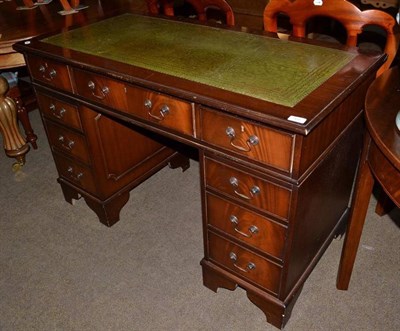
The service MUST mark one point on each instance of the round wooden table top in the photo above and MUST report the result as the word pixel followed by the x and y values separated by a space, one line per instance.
pixel 381 107
pixel 17 25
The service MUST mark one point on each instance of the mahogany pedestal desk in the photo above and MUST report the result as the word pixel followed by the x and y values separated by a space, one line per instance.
pixel 277 125
pixel 380 161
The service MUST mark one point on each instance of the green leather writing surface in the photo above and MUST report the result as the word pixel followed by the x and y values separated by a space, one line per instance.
pixel 270 69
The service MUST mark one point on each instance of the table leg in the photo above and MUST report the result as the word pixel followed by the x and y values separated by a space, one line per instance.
pixel 66 6
pixel 362 194
pixel 14 144
pixel 384 204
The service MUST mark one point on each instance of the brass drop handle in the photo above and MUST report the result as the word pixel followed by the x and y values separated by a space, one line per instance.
pixel 67 145
pixel 103 91
pixel 255 190
pixel 59 114
pixel 50 76
pixel 235 222
pixel 250 265
pixel 252 140
pixel 164 111
pixel 76 177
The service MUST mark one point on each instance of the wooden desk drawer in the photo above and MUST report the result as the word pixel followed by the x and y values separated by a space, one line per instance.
pixel 49 72
pixel 104 90
pixel 256 142
pixel 69 142
pixel 161 109
pixel 254 229
pixel 59 111
pixel 248 189
pixel 76 173
pixel 245 263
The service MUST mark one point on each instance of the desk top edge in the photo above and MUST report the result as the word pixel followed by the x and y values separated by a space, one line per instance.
pixel 252 108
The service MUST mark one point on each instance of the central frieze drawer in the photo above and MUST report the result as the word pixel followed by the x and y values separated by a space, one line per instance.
pixel 248 189
pixel 104 90
pixel 161 109
pixel 246 226
pixel 67 141
pixel 266 145
pixel 244 262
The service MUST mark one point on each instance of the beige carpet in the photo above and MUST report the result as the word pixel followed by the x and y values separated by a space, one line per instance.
pixel 61 269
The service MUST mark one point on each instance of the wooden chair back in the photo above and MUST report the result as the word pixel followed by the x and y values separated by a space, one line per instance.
pixel 155 7
pixel 348 14
pixel 200 6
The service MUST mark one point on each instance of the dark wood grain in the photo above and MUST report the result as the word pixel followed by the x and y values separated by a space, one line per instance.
pixel 265 273
pixel 271 147
pixel 271 198
pixel 59 111
pixel 114 168
pixel 382 106
pixel 178 115
pixel 269 237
